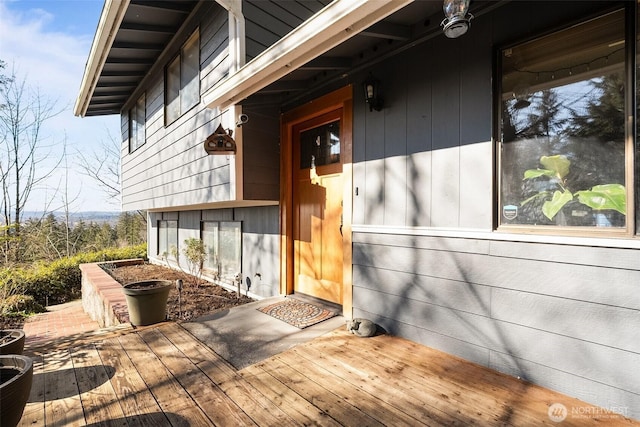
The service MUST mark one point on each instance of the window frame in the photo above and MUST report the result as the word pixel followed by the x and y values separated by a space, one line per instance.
pixel 135 139
pixel 631 172
pixel 174 98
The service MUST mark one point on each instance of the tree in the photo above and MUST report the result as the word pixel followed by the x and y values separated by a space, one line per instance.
pixel 604 114
pixel 103 166
pixel 26 161
pixel 131 228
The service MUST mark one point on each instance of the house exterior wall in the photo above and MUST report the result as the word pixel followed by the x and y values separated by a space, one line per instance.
pixel 561 312
pixel 172 168
pixel 260 242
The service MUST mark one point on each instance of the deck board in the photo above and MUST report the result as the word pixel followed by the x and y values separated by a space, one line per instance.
pixel 164 376
pixel 138 404
pixel 63 406
pixel 174 400
pixel 96 391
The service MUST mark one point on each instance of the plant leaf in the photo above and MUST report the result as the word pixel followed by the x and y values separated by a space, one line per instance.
pixel 550 208
pixel 535 173
pixel 558 163
pixel 604 197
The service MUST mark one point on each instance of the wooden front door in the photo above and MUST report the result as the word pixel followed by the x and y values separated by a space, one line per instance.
pixel 318 192
pixel 316 200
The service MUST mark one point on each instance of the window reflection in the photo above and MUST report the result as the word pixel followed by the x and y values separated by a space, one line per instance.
pixel 562 128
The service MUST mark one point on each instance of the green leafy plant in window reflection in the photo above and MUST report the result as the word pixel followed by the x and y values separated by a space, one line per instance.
pixel 599 198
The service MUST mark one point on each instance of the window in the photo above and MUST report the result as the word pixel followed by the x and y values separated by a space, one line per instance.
pixel 563 154
pixel 320 146
pixel 223 243
pixel 182 82
pixel 167 237
pixel 137 124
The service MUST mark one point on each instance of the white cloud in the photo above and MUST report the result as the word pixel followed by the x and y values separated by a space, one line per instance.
pixel 54 62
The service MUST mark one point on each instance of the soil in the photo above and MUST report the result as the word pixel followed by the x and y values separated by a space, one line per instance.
pixel 198 298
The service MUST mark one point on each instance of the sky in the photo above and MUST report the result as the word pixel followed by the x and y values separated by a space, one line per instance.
pixel 47 43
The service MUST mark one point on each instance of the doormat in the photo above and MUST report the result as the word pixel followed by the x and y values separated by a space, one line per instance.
pixel 297 313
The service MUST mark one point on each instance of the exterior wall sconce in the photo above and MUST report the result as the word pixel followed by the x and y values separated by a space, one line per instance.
pixel 220 142
pixel 457 21
pixel 372 93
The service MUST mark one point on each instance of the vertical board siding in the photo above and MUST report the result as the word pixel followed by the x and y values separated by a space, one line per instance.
pixel 261 153
pixel 260 249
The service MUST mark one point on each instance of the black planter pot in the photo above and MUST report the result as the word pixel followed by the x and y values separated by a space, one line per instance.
pixel 11 341
pixel 16 375
pixel 147 301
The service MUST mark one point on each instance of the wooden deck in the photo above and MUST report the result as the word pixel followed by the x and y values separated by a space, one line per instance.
pixel 163 376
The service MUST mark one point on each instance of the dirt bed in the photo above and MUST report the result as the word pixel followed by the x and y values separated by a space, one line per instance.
pixel 196 299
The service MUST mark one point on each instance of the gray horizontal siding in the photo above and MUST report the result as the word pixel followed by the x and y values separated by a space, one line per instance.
pixel 172 168
pixel 541 314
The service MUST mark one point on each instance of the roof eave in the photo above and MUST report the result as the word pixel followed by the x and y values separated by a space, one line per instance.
pixel 337 22
pixel 112 15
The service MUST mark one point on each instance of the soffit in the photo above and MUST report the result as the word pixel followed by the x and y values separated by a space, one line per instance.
pixel 149 26
pixel 146 29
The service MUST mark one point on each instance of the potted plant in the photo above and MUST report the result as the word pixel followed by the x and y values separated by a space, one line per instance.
pixel 147 301
pixel 11 341
pixel 16 376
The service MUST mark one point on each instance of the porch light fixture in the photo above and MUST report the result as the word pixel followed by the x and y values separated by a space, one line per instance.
pixel 457 21
pixel 372 93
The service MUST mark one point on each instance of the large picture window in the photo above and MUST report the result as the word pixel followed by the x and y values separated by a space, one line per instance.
pixel 563 156
pixel 223 243
pixel 137 124
pixel 182 80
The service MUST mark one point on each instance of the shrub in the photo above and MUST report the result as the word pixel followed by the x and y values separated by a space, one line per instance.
pixel 60 281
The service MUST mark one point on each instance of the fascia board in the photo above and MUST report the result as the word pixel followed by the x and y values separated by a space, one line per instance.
pixel 112 15
pixel 334 24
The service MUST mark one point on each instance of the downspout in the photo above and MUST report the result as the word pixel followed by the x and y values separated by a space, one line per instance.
pixel 237 59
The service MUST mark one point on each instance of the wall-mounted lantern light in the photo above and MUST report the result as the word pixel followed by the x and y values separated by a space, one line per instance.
pixel 220 142
pixel 372 93
pixel 457 21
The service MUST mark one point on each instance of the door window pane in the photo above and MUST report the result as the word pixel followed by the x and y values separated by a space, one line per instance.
pixel 320 146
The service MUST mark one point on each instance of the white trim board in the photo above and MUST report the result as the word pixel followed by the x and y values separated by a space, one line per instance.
pixel 337 22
